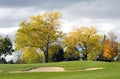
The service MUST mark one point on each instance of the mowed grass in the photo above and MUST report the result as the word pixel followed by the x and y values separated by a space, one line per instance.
pixel 111 70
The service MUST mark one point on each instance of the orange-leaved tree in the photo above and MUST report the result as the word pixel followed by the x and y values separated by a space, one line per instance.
pixel 110 47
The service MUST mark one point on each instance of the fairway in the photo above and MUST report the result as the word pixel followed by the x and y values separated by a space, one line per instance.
pixel 74 70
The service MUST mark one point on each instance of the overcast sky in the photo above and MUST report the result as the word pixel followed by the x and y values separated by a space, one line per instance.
pixel 103 14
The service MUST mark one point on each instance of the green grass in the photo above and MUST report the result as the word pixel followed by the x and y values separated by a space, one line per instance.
pixel 109 71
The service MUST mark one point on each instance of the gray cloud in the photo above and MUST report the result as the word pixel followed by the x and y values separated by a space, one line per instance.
pixel 10 17
pixel 93 9
pixel 50 4
pixel 101 13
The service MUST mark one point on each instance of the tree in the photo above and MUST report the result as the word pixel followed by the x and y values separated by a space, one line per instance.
pixel 30 55
pixel 40 32
pixel 69 44
pixel 5 46
pixel 10 62
pixel 3 60
pixel 100 56
pixel 56 53
pixel 71 54
pixel 110 46
pixel 42 57
pixel 85 39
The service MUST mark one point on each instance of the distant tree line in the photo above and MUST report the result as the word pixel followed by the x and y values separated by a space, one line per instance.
pixel 40 40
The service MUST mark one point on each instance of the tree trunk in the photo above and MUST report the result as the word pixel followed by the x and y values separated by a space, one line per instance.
pixel 86 56
pixel 46 52
pixel 0 57
pixel 47 49
pixel 46 56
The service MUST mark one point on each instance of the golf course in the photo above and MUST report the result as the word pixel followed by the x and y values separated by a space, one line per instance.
pixel 72 70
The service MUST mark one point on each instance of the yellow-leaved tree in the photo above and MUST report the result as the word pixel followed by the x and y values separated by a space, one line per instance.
pixel 30 55
pixel 69 44
pixel 56 53
pixel 85 39
pixel 39 31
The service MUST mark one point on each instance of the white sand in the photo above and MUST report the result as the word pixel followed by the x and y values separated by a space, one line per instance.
pixel 94 68
pixel 47 69
pixel 52 69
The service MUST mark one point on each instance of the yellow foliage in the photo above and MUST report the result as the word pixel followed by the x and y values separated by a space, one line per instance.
pixel 35 31
pixel 85 38
pixel 42 57
pixel 31 56
pixel 39 31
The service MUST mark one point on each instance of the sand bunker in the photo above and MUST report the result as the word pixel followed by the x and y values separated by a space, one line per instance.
pixel 52 69
pixel 42 69
pixel 47 69
pixel 94 68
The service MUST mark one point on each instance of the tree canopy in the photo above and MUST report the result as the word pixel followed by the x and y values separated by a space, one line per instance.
pixel 39 31
pixel 110 47
pixel 85 39
pixel 42 32
pixel 5 46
